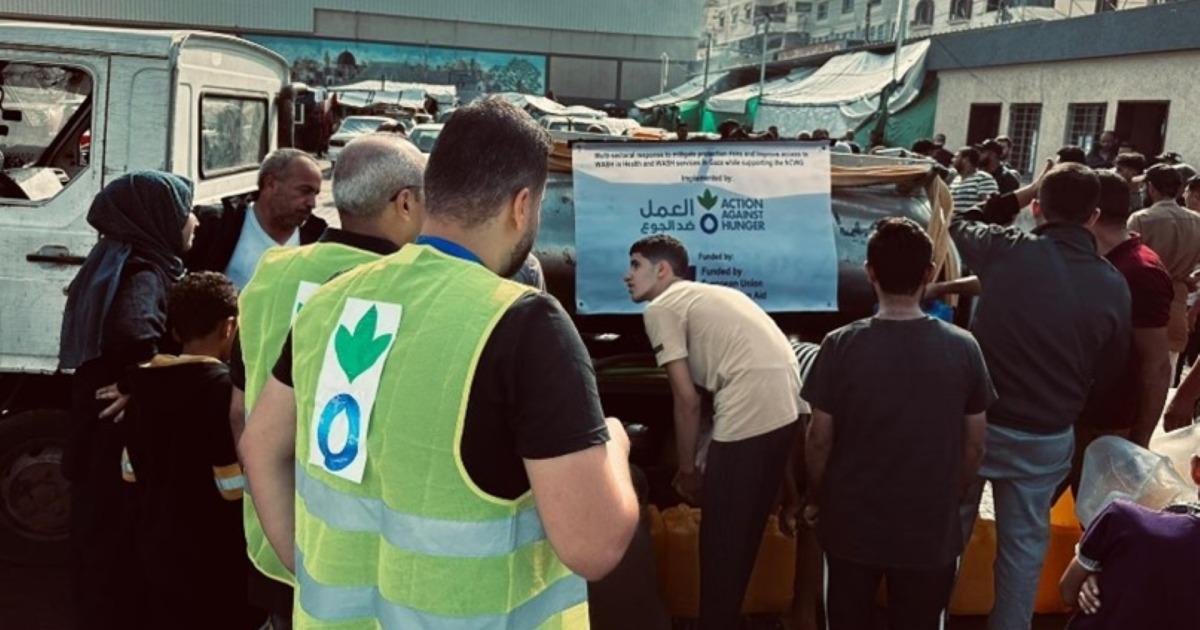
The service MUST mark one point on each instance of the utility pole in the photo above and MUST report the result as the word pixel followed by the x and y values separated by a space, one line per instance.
pixel 762 65
pixel 707 55
pixel 666 68
pixel 867 33
pixel 901 27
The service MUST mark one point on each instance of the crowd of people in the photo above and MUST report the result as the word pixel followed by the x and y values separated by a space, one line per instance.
pixel 391 424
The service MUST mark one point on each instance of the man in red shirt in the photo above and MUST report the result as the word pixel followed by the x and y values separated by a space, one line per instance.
pixel 1133 406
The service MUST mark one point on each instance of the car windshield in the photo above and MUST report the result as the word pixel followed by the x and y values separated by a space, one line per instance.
pixel 360 125
pixel 425 139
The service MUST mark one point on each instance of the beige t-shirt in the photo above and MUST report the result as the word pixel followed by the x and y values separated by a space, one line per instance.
pixel 1174 234
pixel 734 350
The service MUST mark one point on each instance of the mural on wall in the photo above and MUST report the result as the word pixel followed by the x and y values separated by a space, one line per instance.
pixel 334 62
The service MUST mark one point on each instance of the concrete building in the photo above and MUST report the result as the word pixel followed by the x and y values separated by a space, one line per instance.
pixel 736 27
pixel 932 17
pixel 585 52
pixel 1069 80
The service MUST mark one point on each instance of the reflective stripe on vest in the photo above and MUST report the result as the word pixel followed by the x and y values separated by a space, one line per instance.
pixel 265 312
pixel 230 481
pixel 347 603
pixel 416 534
pixel 415 544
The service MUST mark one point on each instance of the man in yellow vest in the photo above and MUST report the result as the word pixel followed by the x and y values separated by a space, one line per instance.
pixel 442 461
pixel 377 188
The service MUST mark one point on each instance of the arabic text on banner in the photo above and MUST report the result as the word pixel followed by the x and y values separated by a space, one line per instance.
pixel 753 215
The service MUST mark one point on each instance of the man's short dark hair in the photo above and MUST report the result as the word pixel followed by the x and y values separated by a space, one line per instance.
pixel 487 152
pixel 899 253
pixel 1114 199
pixel 199 302
pixel 993 147
pixel 1069 193
pixel 1165 179
pixel 924 146
pixel 1071 154
pixel 663 247
pixel 1133 161
pixel 970 154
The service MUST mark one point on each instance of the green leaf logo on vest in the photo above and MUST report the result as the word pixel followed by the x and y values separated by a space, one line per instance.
pixel 359 350
pixel 348 386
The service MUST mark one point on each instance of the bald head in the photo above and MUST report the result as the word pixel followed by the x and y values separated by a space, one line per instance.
pixel 371 170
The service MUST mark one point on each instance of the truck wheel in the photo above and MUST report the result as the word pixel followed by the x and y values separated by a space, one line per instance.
pixel 34 495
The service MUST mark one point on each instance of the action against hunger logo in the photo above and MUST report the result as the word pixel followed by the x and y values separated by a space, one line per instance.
pixel 350 397
pixel 735 214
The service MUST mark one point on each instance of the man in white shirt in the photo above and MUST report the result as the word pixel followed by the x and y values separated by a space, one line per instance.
pixel 231 240
pixel 719 339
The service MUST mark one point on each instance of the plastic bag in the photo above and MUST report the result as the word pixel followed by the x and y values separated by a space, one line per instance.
pixel 1115 468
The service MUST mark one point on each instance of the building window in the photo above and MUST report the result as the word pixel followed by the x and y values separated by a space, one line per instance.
pixel 822 11
pixel 1106 5
pixel 1024 121
pixel 1085 123
pixel 847 6
pixel 960 10
pixel 924 13
pixel 749 12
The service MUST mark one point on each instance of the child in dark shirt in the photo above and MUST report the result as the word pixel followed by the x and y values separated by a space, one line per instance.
pixel 182 461
pixel 899 402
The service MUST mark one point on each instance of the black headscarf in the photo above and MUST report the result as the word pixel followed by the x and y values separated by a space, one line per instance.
pixel 140 217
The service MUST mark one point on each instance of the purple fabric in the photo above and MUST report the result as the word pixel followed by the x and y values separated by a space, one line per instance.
pixel 1149 569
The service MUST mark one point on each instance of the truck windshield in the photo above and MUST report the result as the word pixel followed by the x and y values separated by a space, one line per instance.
pixel 38 104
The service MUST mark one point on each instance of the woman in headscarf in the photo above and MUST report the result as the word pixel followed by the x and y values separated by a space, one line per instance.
pixel 115 319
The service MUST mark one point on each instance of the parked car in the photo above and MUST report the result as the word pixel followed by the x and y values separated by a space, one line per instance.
pixel 581 125
pixel 425 136
pixel 351 128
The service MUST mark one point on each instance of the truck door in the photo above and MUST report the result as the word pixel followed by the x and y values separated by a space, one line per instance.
pixel 52 106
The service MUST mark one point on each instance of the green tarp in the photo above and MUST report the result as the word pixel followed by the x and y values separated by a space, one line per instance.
pixel 908 125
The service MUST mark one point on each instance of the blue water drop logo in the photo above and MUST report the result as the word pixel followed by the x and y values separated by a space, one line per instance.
pixel 337 406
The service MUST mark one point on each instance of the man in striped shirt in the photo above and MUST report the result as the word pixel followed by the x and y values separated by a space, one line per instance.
pixel 973 186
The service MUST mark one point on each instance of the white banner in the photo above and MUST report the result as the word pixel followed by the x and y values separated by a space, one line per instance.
pixel 753 215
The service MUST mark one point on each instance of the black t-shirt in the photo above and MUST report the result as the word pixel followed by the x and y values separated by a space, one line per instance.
pixel 178 433
pixel 898 391
pixel 534 396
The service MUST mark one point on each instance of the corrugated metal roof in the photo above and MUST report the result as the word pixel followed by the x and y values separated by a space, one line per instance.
pixel 663 18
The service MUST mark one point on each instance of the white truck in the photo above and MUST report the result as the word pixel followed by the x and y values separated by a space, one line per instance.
pixel 80 106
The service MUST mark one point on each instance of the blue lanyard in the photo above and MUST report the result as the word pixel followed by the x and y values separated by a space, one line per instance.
pixel 450 248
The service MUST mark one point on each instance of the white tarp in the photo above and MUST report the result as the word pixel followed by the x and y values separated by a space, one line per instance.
pixel 734 101
pixel 690 89
pixel 364 93
pixel 538 103
pixel 844 92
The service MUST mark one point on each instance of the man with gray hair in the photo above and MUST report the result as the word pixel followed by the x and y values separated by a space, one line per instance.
pixel 377 188
pixel 231 239
pixel 483 418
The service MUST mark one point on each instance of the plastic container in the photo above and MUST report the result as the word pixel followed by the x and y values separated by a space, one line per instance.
pixel 771 584
pixel 974 592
